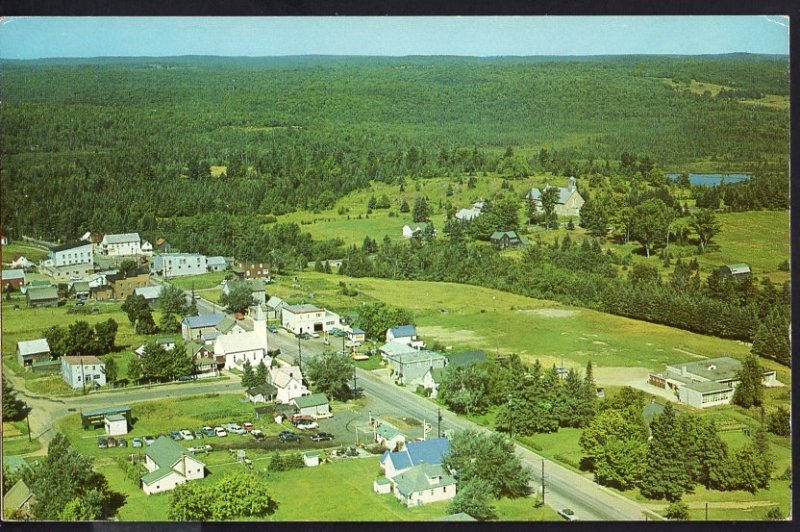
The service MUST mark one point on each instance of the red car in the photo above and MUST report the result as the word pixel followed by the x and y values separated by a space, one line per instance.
pixel 248 426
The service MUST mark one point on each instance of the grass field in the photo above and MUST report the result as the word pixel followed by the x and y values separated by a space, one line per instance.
pixel 482 318
pixel 205 280
pixel 29 251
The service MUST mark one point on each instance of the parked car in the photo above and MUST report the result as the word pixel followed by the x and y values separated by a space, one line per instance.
pixel 187 434
pixel 306 425
pixel 137 442
pixel 301 418
pixel 314 335
pixel 208 431
pixel 149 440
pixel 257 434
pixel 111 442
pixel 102 442
pixel 122 442
pixel 185 378
pixel 248 426
pixel 568 514
pixel 286 437
pixel 322 436
pixel 220 432
pixel 198 433
pixel 272 329
pixel 234 428
pixel 175 435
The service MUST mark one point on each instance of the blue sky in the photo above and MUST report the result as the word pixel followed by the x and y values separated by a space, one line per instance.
pixel 29 38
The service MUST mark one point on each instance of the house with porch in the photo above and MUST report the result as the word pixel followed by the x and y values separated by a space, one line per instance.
pixel 288 381
pixel 404 334
pixel 169 464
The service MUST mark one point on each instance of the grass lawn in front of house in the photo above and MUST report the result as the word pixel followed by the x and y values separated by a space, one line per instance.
pixel 201 281
pixel 29 251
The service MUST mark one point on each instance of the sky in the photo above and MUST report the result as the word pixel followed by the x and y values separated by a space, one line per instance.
pixel 40 37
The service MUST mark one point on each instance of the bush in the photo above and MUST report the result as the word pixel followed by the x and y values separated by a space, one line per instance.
pixel 270 219
pixel 784 266
pixel 285 462
pixel 677 511
pixel 774 514
pixel 787 474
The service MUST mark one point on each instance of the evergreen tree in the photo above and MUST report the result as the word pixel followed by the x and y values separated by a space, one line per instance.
pixel 779 422
pixel 13 408
pixel 474 498
pixel 421 212
pixel 248 375
pixel 404 207
pixel 772 337
pixel 111 370
pixel 750 391
pixel 665 475
pixel 261 373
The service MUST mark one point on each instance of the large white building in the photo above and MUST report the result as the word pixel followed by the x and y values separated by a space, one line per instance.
pixel 122 245
pixel 176 264
pixel 307 318
pixel 247 346
pixel 70 255
pixel 169 465
pixel 83 371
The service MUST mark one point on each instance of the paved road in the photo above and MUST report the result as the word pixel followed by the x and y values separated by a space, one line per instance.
pixel 563 487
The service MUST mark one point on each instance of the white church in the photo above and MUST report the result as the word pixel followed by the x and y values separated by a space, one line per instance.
pixel 249 345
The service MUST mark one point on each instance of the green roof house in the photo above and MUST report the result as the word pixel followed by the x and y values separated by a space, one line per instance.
pixel 316 405
pixel 42 296
pixel 424 484
pixel 169 464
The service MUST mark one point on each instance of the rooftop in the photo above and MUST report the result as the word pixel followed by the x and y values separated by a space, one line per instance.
pixel 246 341
pixel 422 477
pixel 165 452
pixel 217 261
pixel 33 347
pixel 70 245
pixel 203 320
pixel 394 348
pixel 37 293
pixel 150 292
pixel 414 453
pixel 417 356
pixel 122 238
pixel 315 399
pixel 467 358
pixel 262 389
pixel 404 331
pixel 712 369
pixel 9 275
pixel 305 307
pixel 85 360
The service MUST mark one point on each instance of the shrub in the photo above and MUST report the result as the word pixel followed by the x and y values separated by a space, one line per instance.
pixel 774 514
pixel 677 511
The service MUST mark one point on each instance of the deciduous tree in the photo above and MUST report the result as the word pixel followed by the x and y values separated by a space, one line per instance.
pixel 705 224
pixel 750 390
pixel 474 498
pixel 239 298
pixel 330 373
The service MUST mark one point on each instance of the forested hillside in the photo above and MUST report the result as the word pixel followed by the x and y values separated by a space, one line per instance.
pixel 129 144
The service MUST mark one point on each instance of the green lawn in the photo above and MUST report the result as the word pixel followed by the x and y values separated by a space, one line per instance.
pixel 19 445
pixel 202 281
pixel 29 251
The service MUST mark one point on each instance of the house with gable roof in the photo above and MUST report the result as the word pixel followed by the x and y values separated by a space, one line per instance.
pixel 169 465
pixel 404 334
pixel 248 346
pixel 424 484
pixel 31 351
pixel 433 377
pixel 288 381
pixel 121 245
pixel 431 452
pixel 193 327
pixel 569 200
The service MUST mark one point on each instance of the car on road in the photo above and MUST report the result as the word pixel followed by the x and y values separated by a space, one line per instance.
pixel 322 436
pixel 220 432
pixel 314 335
pixel 287 436
pixel 234 428
pixel 248 426
pixel 137 442
pixel 175 435
pixel 257 434
pixel 568 514
pixel 272 329
pixel 187 434
pixel 208 431
pixel 149 440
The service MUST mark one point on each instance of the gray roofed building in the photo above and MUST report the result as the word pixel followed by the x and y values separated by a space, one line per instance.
pixel 204 320
pixel 30 351
pixel 569 200
pixel 737 271
pixel 216 264
pixel 42 296
pixel 150 293
pixel 304 307
pixel 121 238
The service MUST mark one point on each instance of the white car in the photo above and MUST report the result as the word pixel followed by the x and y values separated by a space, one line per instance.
pixel 234 428
pixel 568 514
pixel 220 432
pixel 187 434
pixel 314 335
pixel 308 425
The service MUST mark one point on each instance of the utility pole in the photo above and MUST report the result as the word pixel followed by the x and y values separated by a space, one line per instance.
pixel 439 422
pixel 83 376
pixel 706 511
pixel 28 421
pixel 300 353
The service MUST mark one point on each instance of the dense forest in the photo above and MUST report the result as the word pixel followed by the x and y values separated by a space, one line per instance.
pixel 129 144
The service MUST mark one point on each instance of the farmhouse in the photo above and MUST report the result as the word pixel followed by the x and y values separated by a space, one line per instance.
pixel 430 452
pixel 410 230
pixel 433 377
pixel 316 405
pixel 737 271
pixel 44 296
pixel 404 334
pixel 705 383
pixel 123 245
pixel 256 289
pixel 423 484
pixel 30 351
pixel 569 200
pixel 216 264
pixel 205 363
pixel 261 393
pixel 505 239
pixel 169 464
pixel 177 264
pixel 250 345
pixel 193 327
pixel 13 278
pixel 83 371
pixel 410 368
pixel 288 380
pixel 307 318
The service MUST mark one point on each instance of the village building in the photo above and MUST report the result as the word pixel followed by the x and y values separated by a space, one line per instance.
pixel 395 349
pixel 410 230
pixel 147 248
pixel 21 262
pixel 430 452
pixel 433 376
pixel 315 405
pixel 18 501
pixel 13 278
pixel 83 371
pixel 31 351
pixel 255 269
pixel 168 344
pixel 307 318
pixel 205 362
pixel 737 271
pixel 505 239
pixel 404 334
pixel 261 393
pixel 288 381
pixel 151 294
pixel 231 325
pixel 194 327
pixel 122 285
pixel 121 245
pixel 216 264
pixel 80 290
pixel 423 484
pixel 274 307
pixel 162 246
pixel 356 336
pixel 70 254
pixel 247 346
pixel 256 288
pixel 115 424
pixel 388 435
pixel 705 383
pixel 569 200
pixel 178 264
pixel 410 368
pixel 169 465
pixel 42 296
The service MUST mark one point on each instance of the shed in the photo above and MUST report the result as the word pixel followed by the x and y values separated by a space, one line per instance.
pixel 737 271
pixel 97 417
pixel 116 424
pixel 311 459
pixel 80 289
pixel 316 405
pixel 30 351
pixel 44 296
pixel 13 278
pixel 382 486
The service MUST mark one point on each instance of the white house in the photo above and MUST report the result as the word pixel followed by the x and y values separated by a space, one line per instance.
pixel 22 263
pixel 410 368
pixel 169 465
pixel 147 248
pixel 250 345
pixel 288 380
pixel 83 371
pixel 316 405
pixel 430 452
pixel 177 264
pixel 404 334
pixel 411 230
pixel 256 289
pixel 122 245
pixel 274 307
pixel 70 254
pixel 308 318
pixel 569 200
pixel 424 484
pixel 115 424
pixel 217 264
pixel 388 435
